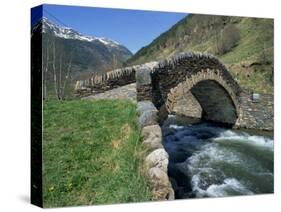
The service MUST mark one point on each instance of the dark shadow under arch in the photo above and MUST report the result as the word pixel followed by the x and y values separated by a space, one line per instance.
pixel 216 103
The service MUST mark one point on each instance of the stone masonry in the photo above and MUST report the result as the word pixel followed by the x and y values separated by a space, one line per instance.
pixel 156 162
pixel 199 80
pixel 203 77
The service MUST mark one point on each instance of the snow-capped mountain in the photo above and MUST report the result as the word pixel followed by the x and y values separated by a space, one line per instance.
pixel 89 54
pixel 69 33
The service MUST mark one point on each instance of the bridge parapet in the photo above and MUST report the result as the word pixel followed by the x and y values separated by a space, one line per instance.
pixel 102 82
pixel 112 79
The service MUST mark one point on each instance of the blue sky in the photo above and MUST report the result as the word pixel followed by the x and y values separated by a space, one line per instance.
pixel 132 28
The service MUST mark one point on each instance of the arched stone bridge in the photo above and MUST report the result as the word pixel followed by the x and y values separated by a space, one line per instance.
pixel 207 85
pixel 201 75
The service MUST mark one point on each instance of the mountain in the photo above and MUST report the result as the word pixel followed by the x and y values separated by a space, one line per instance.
pixel 89 54
pixel 69 33
pixel 244 44
pixel 68 56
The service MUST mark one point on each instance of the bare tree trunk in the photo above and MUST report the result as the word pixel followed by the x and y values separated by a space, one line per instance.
pixel 216 35
pixel 114 62
pixel 43 74
pixel 45 70
pixel 60 82
pixel 54 70
pixel 67 76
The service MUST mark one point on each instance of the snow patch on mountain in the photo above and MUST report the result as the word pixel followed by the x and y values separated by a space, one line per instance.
pixel 69 33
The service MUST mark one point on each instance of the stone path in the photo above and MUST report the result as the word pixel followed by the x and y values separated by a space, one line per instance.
pixel 123 92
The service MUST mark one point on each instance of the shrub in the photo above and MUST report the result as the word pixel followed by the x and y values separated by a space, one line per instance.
pixel 230 35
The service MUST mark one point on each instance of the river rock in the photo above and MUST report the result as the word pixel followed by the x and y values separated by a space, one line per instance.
pixel 152 137
pixel 145 106
pixel 148 113
pixel 171 195
pixel 158 158
pixel 149 117
pixel 160 183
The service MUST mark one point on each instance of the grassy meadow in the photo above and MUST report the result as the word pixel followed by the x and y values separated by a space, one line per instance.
pixel 92 153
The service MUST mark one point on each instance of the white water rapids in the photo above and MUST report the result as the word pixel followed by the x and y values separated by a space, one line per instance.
pixel 209 161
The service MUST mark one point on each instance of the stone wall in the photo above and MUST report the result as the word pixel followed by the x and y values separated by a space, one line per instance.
pixel 187 105
pixel 156 162
pixel 256 114
pixel 102 82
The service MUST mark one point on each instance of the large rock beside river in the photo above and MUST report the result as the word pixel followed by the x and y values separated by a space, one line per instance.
pixel 156 163
pixel 148 113
pixel 152 137
pixel 160 183
pixel 158 158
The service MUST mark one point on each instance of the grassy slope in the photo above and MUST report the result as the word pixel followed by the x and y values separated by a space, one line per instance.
pixel 197 33
pixel 92 154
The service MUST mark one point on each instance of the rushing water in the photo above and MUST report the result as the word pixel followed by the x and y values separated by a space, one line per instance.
pixel 206 160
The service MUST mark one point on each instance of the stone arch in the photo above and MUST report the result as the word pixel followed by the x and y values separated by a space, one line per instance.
pixel 203 75
pixel 216 98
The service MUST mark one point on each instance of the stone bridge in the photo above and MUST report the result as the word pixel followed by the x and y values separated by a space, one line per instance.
pixel 209 90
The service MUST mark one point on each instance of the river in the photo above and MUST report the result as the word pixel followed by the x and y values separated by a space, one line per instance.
pixel 207 160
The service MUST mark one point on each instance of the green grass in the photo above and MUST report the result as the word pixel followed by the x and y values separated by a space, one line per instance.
pixel 92 153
